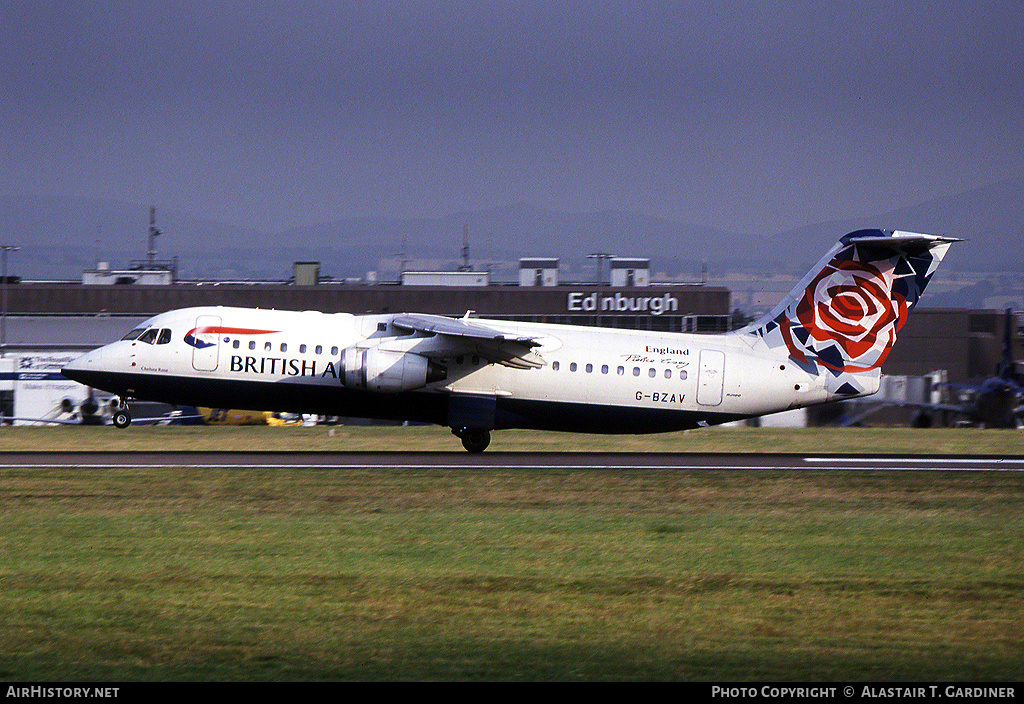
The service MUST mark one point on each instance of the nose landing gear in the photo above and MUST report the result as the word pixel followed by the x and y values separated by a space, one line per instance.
pixel 121 418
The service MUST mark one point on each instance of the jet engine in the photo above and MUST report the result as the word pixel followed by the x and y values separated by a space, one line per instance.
pixel 388 371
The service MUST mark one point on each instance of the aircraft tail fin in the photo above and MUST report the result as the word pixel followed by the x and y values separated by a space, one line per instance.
pixel 844 314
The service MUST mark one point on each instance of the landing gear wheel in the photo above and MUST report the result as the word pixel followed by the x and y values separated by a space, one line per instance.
pixel 922 420
pixel 121 419
pixel 120 416
pixel 475 440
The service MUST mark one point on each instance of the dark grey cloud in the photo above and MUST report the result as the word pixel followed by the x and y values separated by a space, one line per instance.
pixel 745 116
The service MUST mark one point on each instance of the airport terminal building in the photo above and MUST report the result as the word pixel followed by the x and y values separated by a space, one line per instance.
pixel 629 301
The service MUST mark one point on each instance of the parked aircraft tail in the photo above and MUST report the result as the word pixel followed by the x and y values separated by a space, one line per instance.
pixel 844 315
pixel 1007 366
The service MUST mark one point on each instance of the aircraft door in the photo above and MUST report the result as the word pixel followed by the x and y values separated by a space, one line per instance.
pixel 710 377
pixel 205 341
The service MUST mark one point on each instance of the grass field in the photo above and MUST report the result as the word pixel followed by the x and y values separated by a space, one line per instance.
pixel 226 574
pixel 436 439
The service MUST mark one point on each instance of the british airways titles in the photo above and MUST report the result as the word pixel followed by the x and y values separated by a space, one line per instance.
pixel 280 365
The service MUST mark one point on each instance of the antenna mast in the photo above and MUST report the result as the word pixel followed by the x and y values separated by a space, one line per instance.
pixel 465 249
pixel 153 232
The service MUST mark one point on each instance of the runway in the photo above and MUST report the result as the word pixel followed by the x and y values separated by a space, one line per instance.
pixel 509 461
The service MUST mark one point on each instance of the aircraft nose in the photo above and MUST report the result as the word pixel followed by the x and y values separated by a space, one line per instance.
pixel 84 368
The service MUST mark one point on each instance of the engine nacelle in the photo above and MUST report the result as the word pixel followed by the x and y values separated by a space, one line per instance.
pixel 387 371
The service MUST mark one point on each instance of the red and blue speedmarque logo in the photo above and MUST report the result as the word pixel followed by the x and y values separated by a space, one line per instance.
pixel 192 336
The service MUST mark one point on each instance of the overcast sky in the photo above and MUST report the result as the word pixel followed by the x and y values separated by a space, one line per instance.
pixel 747 116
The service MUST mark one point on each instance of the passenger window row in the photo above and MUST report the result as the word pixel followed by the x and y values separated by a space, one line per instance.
pixel 283 347
pixel 621 371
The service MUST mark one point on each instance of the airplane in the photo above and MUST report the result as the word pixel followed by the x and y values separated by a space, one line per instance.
pixel 231 416
pixel 66 412
pixel 91 412
pixel 825 341
pixel 995 403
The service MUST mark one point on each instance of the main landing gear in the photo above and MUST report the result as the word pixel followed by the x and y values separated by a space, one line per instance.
pixel 121 418
pixel 473 439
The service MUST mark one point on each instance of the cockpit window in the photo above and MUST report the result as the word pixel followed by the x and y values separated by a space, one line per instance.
pixel 165 336
pixel 134 334
pixel 149 337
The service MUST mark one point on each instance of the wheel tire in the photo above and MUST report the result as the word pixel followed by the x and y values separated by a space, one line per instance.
pixel 121 419
pixel 475 440
pixel 922 420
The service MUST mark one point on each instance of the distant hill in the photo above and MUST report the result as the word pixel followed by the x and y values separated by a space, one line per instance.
pixel 62 236
pixel 499 237
pixel 59 237
pixel 990 220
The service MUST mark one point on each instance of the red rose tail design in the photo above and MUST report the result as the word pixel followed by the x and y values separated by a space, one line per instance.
pixel 843 317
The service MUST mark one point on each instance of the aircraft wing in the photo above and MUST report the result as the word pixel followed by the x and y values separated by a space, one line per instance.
pixel 879 405
pixel 56 421
pixel 973 388
pixel 461 336
pixel 171 420
pixel 78 421
pixel 948 407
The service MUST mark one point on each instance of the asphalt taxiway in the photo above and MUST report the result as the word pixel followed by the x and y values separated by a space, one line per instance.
pixel 503 460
